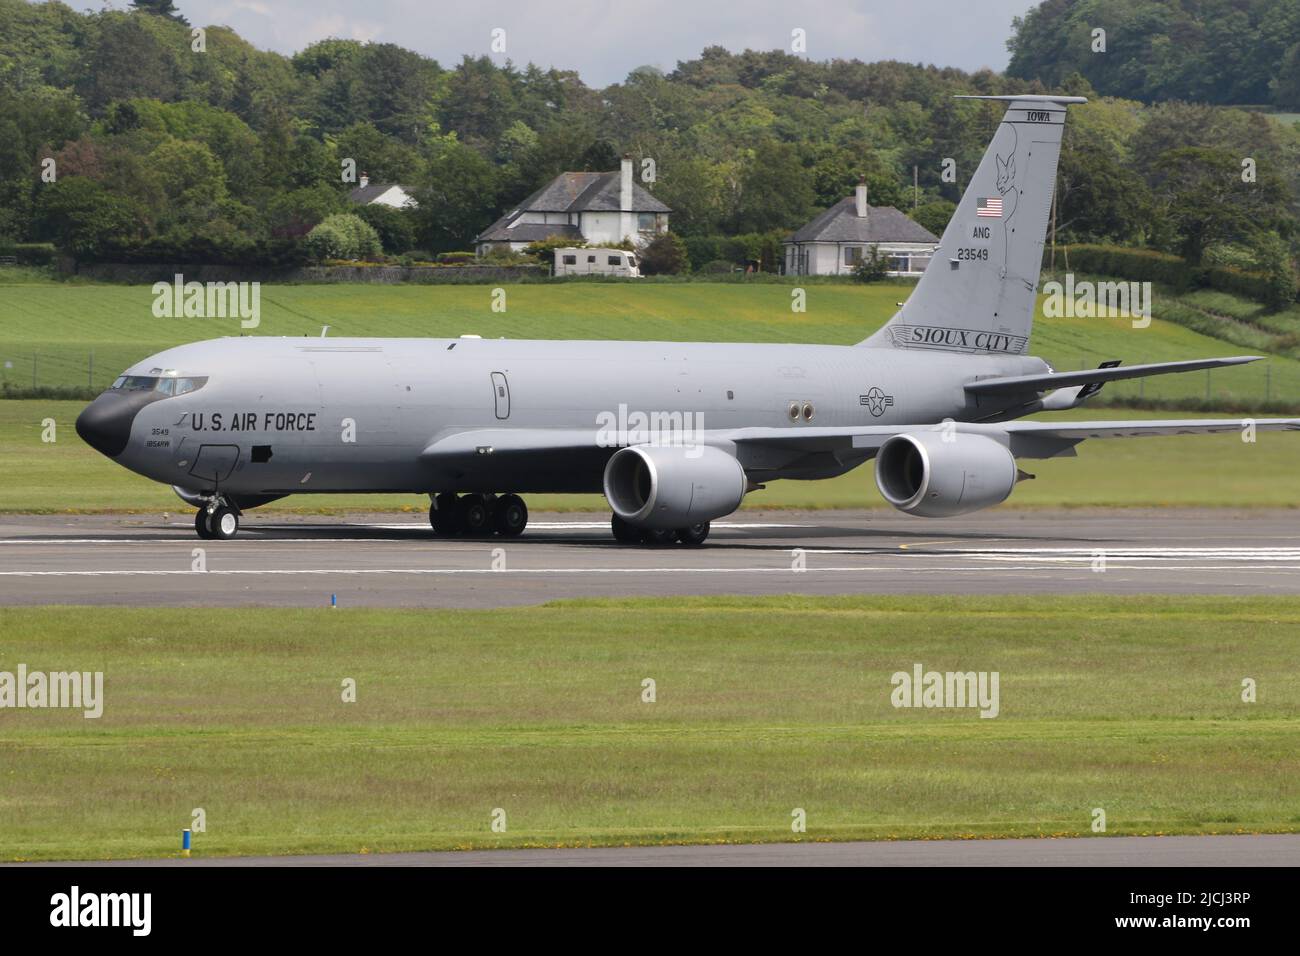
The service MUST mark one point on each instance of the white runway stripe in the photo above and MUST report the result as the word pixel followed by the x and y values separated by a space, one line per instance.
pixel 1110 567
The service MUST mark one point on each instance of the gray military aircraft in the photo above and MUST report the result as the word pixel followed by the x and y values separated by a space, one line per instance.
pixel 674 434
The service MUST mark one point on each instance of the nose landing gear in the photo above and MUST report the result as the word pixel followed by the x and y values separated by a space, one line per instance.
pixel 218 520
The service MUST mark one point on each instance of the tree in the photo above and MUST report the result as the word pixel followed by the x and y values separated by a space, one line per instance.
pixel 127 60
pixel 774 192
pixel 159 8
pixel 1205 200
pixel 457 200
pixel 191 177
pixel 872 267
pixel 85 218
pixel 384 158
pixel 934 215
pixel 664 255
pixel 396 227
pixel 342 236
pixel 1274 255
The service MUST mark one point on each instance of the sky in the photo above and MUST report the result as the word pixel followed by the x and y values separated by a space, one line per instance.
pixel 605 40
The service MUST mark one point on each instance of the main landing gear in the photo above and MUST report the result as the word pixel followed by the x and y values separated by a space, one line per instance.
pixel 218 520
pixel 692 535
pixel 478 515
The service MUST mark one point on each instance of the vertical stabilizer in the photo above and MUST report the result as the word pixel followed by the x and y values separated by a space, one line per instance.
pixel 978 293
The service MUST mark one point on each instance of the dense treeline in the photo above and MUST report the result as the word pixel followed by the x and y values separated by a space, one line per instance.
pixel 234 153
pixel 1211 51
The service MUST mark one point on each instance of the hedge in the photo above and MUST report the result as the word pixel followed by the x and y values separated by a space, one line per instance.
pixel 1147 265
pixel 29 253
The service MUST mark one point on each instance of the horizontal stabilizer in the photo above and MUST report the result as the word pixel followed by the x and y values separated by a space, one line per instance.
pixel 1089 376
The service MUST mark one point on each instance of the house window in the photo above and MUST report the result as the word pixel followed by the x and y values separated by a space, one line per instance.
pixel 852 255
pixel 570 260
pixel 898 263
pixel 918 263
pixel 645 222
pixel 591 258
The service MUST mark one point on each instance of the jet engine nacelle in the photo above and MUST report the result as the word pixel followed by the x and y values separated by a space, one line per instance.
pixel 924 475
pixel 673 486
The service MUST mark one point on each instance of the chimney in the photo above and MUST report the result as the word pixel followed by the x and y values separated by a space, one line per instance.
pixel 861 199
pixel 365 180
pixel 625 184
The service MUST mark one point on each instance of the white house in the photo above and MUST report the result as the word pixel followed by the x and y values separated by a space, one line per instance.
pixel 383 194
pixel 597 208
pixel 838 239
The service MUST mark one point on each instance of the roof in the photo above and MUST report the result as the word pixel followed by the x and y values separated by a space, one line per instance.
pixel 369 193
pixel 588 192
pixel 571 192
pixel 501 231
pixel 841 223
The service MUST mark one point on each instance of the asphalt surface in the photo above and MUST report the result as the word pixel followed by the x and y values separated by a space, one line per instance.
pixel 1246 850
pixel 394 560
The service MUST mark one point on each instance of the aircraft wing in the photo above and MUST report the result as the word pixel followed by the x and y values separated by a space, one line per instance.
pixel 1026 439
pixel 1089 376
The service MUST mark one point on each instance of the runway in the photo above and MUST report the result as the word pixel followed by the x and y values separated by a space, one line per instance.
pixel 393 560
pixel 1246 850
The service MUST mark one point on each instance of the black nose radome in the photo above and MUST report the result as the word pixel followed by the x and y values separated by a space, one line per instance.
pixel 105 424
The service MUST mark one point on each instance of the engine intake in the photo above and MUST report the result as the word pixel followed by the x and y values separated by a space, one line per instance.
pixel 673 486
pixel 926 476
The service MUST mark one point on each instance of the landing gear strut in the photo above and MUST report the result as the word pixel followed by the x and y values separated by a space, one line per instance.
pixel 692 535
pixel 478 515
pixel 218 520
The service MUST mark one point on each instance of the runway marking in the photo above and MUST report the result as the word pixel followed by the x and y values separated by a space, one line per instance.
pixel 1111 567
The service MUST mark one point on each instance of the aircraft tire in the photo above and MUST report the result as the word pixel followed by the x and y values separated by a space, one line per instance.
pixel 659 536
pixel 444 515
pixel 201 524
pixel 224 523
pixel 509 516
pixel 624 533
pixel 693 535
pixel 475 514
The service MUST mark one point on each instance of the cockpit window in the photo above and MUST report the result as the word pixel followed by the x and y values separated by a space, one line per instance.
pixel 166 384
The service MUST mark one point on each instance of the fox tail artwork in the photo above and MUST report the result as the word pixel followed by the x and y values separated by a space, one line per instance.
pixel 673 434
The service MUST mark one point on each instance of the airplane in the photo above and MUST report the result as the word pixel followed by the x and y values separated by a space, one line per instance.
pixel 674 434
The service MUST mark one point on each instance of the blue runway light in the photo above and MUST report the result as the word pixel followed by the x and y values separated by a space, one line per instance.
pixel 185 842
pixel 334 600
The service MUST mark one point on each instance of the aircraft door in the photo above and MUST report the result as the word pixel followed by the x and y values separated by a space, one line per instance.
pixel 214 463
pixel 501 394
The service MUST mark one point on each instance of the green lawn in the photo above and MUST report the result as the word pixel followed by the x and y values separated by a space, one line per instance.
pixel 763 706
pixel 1202 471
pixel 63 328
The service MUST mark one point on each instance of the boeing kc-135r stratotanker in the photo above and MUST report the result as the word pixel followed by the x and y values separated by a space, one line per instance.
pixel 674 434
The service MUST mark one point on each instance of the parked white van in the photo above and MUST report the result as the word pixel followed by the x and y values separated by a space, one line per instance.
pixel 596 262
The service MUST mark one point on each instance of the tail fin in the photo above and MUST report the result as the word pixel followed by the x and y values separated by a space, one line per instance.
pixel 978 293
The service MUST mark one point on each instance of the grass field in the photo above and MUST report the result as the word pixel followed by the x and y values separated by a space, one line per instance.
pixel 50 330
pixel 1201 471
pixel 762 706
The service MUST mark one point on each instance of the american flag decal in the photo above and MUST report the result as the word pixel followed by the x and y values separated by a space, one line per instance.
pixel 989 207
